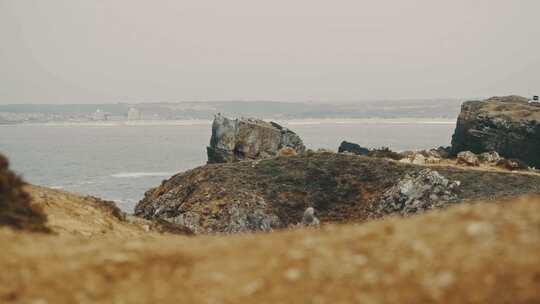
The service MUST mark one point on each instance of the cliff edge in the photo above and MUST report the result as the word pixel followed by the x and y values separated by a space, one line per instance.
pixel 508 125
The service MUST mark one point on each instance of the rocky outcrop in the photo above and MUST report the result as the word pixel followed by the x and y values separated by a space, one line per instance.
pixel 274 193
pixel 468 158
pixel 508 125
pixel 246 138
pixel 16 209
pixel 418 192
pixel 346 146
pixel 489 157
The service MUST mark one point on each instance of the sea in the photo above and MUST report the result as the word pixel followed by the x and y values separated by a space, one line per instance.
pixel 119 161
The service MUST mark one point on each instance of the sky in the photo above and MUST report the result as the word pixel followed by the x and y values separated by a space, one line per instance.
pixel 100 51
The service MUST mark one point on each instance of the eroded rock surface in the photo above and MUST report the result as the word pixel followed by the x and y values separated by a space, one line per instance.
pixel 508 125
pixel 273 193
pixel 418 192
pixel 246 138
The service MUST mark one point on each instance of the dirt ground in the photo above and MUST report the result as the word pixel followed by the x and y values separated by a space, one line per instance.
pixel 470 253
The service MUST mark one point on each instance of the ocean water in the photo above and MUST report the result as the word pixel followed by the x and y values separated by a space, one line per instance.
pixel 120 162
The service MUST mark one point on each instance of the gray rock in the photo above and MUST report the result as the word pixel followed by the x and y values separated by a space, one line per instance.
pixel 243 219
pixel 490 157
pixel 309 219
pixel 467 158
pixel 246 138
pixel 417 192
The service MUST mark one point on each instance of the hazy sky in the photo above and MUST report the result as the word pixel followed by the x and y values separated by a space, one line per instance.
pixel 75 51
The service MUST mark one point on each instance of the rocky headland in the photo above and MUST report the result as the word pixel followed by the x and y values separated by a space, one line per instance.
pixel 273 193
pixel 508 125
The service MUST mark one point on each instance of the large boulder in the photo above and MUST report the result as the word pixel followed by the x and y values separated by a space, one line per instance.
pixel 346 146
pixel 508 125
pixel 241 139
pixel 467 158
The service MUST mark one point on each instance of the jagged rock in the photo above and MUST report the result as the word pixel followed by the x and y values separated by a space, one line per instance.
pixel 418 192
pixel 490 157
pixel 467 158
pixel 246 138
pixel 309 219
pixel 508 125
pixel 346 146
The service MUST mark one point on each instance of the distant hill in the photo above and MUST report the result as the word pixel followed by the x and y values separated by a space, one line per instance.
pixel 442 108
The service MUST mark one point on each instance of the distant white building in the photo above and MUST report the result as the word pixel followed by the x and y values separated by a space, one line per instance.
pixel 134 114
pixel 100 115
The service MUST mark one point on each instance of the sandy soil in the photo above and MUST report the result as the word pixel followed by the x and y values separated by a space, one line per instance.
pixel 471 253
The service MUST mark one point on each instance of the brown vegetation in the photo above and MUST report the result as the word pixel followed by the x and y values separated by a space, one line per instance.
pixel 471 253
pixel 16 210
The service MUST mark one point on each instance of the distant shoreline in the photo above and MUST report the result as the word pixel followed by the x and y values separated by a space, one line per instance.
pixel 286 122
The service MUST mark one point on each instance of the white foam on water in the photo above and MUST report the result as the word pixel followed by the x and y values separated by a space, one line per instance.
pixel 141 174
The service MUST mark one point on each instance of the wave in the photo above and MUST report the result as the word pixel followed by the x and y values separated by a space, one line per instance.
pixel 141 174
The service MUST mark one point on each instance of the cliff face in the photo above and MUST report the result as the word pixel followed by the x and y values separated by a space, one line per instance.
pixel 508 125
pixel 239 139
pixel 273 193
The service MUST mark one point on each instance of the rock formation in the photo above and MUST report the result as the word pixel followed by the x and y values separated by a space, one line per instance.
pixel 490 157
pixel 346 146
pixel 274 193
pixel 508 125
pixel 309 219
pixel 246 138
pixel 418 192
pixel 468 158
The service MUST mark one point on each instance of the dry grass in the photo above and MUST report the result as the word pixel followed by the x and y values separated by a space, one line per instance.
pixel 471 253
